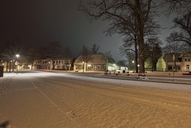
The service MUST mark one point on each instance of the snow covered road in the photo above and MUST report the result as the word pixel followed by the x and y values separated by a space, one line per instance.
pixel 64 100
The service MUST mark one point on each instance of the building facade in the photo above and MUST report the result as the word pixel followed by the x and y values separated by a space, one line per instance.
pixel 57 64
pixel 176 62
pixel 95 62
pixel 186 62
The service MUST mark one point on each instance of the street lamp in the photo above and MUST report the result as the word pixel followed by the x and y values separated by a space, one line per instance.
pixel 49 65
pixel 138 68
pixel 16 62
pixel 17 55
pixel 173 58
pixel 133 65
pixel 83 66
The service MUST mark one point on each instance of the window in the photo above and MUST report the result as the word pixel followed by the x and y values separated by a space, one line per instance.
pixel 187 67
pixel 187 59
pixel 178 67
pixel 169 67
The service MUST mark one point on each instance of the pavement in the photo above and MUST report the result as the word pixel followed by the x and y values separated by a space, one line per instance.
pixel 21 104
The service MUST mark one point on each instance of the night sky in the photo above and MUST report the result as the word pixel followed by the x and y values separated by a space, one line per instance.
pixel 38 22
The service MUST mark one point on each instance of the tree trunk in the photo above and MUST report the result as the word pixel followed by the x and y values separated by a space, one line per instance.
pixel 10 66
pixel 66 67
pixel 32 66
pixel 136 55
pixel 6 66
pixel 140 33
pixel 141 45
pixel 141 53
pixel 53 64
pixel 13 66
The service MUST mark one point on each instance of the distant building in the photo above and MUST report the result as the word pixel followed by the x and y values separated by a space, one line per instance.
pixel 59 64
pixel 96 62
pixel 185 62
pixel 182 62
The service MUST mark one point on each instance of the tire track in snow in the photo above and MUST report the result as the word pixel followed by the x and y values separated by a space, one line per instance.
pixel 124 92
pixel 5 85
pixel 59 109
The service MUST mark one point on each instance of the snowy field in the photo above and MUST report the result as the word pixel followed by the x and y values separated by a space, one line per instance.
pixel 68 100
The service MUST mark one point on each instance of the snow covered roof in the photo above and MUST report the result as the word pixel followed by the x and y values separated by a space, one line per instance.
pixel 168 57
pixel 92 59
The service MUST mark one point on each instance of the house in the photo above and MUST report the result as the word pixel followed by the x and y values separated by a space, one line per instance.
pixel 182 62
pixel 57 64
pixel 42 64
pixel 95 62
pixel 186 62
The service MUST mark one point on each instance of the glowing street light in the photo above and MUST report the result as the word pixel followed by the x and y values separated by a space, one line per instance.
pixel 138 68
pixel 17 55
pixel 133 66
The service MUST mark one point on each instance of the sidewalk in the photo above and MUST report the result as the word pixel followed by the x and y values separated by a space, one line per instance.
pixel 163 77
pixel 167 77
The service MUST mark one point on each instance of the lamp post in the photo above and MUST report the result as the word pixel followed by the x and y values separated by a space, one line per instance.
pixel 49 65
pixel 173 58
pixel 83 66
pixel 16 62
pixel 138 68
pixel 133 65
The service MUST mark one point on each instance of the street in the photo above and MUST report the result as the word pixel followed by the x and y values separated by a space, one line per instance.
pixel 35 99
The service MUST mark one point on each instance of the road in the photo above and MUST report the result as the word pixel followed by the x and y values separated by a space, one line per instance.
pixel 65 100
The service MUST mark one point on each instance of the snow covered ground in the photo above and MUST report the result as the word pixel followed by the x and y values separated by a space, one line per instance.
pixel 65 100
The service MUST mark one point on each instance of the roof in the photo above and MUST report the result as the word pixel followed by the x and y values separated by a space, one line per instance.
pixel 168 57
pixel 92 59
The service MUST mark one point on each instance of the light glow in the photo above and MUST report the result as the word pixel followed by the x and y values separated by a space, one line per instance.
pixel 17 55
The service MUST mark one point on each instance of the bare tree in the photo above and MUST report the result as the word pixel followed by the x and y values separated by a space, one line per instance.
pixel 180 6
pixel 153 51
pixel 120 10
pixel 129 46
pixel 109 57
pixel 94 49
pixel 122 63
pixel 67 54
pixel 174 47
pixel 43 52
pixel 85 55
pixel 8 54
pixel 131 40
pixel 32 55
pixel 131 59
pixel 54 51
pixel 184 24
